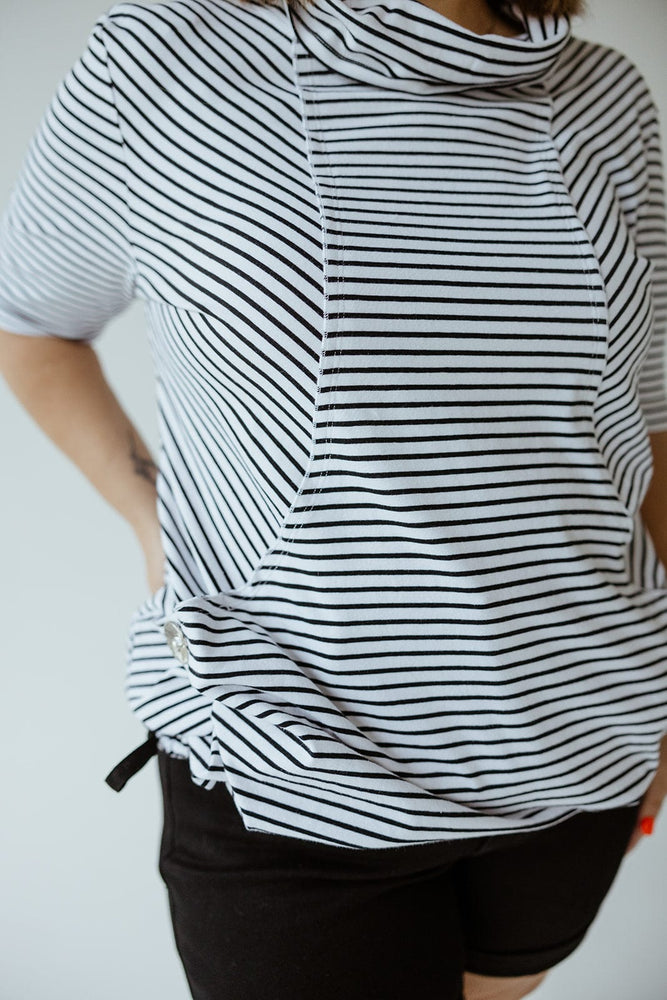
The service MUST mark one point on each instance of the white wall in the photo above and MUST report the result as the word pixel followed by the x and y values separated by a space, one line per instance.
pixel 83 913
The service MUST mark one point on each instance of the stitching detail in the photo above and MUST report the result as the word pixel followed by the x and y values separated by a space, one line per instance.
pixel 265 565
pixel 102 24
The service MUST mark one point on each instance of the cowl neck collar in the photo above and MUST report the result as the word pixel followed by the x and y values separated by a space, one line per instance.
pixel 405 45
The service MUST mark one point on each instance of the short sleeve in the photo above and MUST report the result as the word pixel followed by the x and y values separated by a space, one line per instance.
pixel 651 240
pixel 66 261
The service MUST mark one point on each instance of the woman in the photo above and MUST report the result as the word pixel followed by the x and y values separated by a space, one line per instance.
pixel 403 662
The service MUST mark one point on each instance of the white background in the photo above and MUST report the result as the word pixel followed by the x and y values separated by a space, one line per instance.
pixel 83 912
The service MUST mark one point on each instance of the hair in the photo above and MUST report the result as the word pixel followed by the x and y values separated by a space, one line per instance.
pixel 538 8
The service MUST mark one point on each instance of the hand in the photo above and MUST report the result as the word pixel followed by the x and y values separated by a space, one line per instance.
pixel 155 570
pixel 653 797
pixel 151 543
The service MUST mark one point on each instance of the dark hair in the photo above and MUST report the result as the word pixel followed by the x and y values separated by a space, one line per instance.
pixel 539 8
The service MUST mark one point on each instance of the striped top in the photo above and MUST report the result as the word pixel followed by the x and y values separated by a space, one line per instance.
pixel 405 291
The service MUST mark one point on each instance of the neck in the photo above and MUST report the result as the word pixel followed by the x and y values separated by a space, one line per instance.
pixel 473 15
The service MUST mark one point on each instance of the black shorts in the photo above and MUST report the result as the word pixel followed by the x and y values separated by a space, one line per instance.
pixel 259 916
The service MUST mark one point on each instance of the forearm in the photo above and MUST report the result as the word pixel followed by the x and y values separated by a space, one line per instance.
pixel 61 385
pixel 654 507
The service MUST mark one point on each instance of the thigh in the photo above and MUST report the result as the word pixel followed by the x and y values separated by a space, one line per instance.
pixel 258 915
pixel 526 902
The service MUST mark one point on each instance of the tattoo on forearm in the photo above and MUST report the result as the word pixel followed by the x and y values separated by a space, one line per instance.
pixel 145 467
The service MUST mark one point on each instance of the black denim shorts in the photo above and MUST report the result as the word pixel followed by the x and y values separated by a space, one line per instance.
pixel 259 916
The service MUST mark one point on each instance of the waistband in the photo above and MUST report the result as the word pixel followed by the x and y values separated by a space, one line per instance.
pixel 118 777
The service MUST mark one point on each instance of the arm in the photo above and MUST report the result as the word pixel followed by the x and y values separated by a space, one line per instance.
pixel 654 516
pixel 66 268
pixel 650 238
pixel 654 507
pixel 62 386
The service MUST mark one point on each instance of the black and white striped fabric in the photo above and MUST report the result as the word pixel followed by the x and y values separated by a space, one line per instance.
pixel 405 291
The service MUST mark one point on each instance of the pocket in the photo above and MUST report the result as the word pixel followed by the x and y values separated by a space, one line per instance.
pixel 167 836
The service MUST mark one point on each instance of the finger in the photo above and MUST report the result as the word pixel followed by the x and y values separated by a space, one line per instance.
pixel 634 840
pixel 653 801
pixel 644 827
